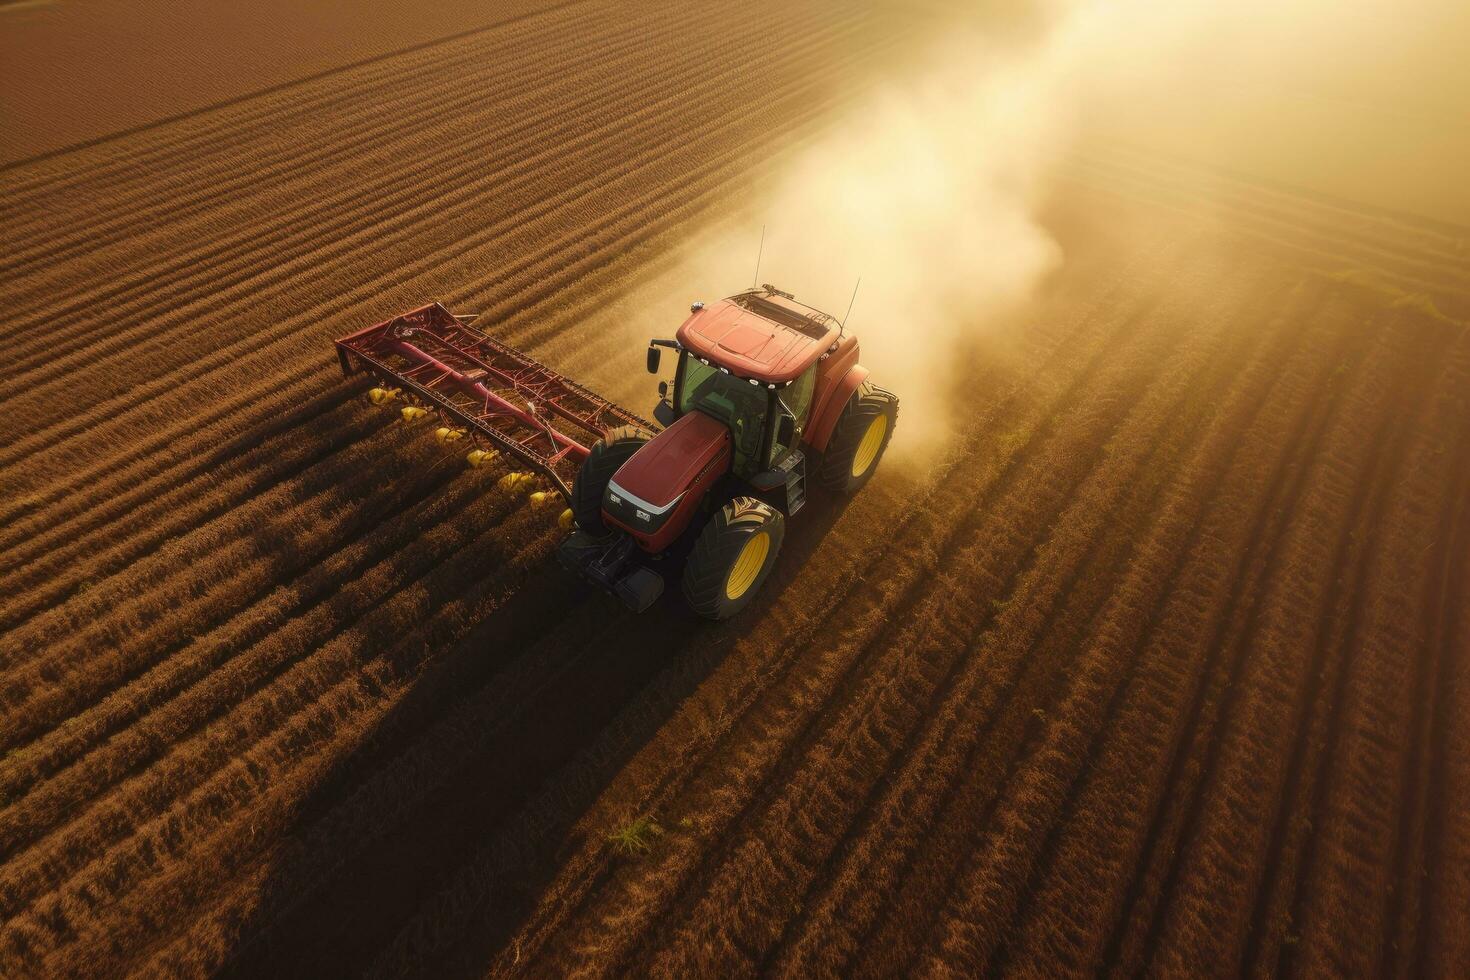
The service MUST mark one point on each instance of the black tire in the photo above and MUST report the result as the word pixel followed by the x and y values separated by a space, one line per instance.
pixel 856 445
pixel 720 578
pixel 608 453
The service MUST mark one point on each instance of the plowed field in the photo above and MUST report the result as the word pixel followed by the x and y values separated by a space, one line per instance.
pixel 1163 666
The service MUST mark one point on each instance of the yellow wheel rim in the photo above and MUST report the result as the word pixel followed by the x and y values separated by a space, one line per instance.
pixel 748 565
pixel 868 449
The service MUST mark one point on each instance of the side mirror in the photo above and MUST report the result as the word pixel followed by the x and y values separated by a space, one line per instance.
pixel 663 389
pixel 786 430
pixel 653 358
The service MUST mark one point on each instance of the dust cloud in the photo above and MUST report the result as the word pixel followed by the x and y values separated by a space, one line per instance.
pixel 931 189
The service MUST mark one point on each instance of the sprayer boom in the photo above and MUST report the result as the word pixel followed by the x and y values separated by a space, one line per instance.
pixel 484 391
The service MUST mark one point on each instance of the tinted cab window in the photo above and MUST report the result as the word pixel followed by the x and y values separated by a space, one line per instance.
pixel 735 402
pixel 796 400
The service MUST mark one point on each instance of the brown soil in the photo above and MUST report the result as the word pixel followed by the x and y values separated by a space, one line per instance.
pixel 1160 668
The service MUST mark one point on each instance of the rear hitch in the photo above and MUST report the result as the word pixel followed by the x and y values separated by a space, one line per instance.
pixel 611 562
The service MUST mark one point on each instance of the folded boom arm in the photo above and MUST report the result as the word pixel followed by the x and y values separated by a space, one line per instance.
pixel 495 393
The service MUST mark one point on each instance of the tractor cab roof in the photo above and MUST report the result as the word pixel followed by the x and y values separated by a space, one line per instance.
pixel 761 334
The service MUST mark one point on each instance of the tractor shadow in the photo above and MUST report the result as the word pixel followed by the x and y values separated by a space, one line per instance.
pixel 498 747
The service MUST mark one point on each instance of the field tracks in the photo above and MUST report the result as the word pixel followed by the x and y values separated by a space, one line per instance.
pixel 1251 552
pixel 970 744
pixel 1152 669
pixel 969 933
pixel 1363 833
pixel 121 153
pixel 1299 232
pixel 1184 804
pixel 1440 946
pixel 1293 840
pixel 197 175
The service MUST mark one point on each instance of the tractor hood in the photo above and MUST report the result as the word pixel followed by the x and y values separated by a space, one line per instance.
pixel 659 473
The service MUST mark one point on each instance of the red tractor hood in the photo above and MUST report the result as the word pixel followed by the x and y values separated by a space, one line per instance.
pixel 662 470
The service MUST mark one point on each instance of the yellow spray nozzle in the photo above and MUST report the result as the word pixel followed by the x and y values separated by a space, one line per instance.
pixel 481 457
pixel 565 519
pixel 446 434
pixel 411 413
pixel 515 481
pixel 382 396
pixel 541 497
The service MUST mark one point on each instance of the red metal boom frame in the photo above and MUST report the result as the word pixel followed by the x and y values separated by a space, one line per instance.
pixel 494 392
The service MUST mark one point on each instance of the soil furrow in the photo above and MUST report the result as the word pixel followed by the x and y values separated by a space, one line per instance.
pixel 994 713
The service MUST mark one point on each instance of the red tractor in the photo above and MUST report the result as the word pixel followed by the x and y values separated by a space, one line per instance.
pixel 767 393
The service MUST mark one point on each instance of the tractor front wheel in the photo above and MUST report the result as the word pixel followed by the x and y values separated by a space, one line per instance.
pixel 607 455
pixel 858 440
pixel 732 557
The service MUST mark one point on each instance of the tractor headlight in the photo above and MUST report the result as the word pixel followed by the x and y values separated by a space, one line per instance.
pixel 634 514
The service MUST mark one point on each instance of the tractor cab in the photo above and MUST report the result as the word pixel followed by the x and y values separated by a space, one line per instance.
pixel 750 362
pixel 765 423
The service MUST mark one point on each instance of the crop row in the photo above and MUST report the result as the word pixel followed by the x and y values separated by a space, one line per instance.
pixel 1265 701
pixel 1107 767
pixel 1267 610
pixel 135 614
pixel 194 719
pixel 139 521
pixel 263 759
pixel 121 732
pixel 898 858
pixel 969 816
pixel 293 141
pixel 1363 868
pixel 1273 930
pixel 1215 667
pixel 1411 250
pixel 110 165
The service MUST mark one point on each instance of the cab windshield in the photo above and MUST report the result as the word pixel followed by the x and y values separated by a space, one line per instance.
pixel 735 402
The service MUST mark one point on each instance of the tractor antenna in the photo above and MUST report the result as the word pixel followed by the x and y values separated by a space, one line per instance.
pixel 850 302
pixel 755 280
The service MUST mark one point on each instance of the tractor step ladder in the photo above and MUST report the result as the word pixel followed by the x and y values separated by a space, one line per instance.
pixel 494 394
pixel 795 467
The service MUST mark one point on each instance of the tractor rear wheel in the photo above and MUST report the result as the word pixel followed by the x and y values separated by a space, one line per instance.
pixel 732 557
pixel 858 440
pixel 607 455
